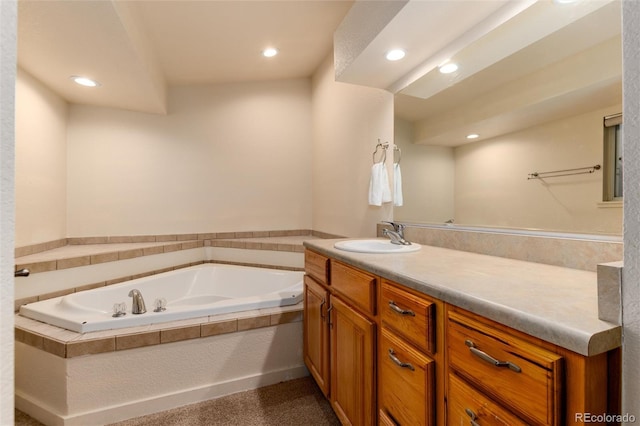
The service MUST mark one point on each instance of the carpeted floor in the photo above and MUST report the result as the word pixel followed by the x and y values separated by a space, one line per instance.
pixel 296 402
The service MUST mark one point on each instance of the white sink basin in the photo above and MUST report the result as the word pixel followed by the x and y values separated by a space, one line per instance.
pixel 375 246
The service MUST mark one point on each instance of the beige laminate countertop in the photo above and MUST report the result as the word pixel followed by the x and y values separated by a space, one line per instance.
pixel 556 304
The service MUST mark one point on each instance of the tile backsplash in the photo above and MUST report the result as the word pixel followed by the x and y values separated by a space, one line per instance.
pixel 567 251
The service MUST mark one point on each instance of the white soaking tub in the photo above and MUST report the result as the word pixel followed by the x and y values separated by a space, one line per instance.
pixel 196 291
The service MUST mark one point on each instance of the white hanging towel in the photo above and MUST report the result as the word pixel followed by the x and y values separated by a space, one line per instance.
pixel 397 185
pixel 379 191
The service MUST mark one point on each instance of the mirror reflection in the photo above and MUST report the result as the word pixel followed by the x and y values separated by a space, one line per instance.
pixel 535 91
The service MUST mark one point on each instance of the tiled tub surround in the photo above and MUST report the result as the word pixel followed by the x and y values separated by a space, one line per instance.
pixel 68 378
pixel 572 251
pixel 556 304
pixel 77 267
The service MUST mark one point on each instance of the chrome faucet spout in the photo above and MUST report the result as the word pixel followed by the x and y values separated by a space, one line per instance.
pixel 137 305
pixel 396 237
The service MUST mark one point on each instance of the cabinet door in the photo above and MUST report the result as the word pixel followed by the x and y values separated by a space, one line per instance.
pixel 352 365
pixel 316 332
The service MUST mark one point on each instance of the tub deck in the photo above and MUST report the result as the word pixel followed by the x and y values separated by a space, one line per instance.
pixel 68 344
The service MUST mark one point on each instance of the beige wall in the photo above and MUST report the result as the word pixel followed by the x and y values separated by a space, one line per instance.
pixel 226 158
pixel 348 120
pixel 41 172
pixel 428 174
pixel 492 186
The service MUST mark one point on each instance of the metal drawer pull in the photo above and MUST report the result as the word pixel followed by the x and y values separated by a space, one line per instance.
pixel 399 363
pixel 473 416
pixel 491 360
pixel 399 310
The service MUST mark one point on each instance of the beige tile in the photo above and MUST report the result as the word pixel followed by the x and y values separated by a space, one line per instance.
pixel 260 234
pixel 254 322
pixel 187 237
pixel 117 280
pixel 89 347
pixel 90 286
pixel 88 240
pixel 19 302
pixel 219 327
pixel 208 236
pixel 148 251
pixel 130 254
pixel 286 317
pixel 238 244
pixel 55 347
pixel 172 247
pixel 180 333
pixel 249 234
pixel 37 267
pixel 73 262
pixel 228 235
pixel 29 338
pixel 137 340
pixel 221 243
pixel 164 238
pixel 104 257
pixel 191 245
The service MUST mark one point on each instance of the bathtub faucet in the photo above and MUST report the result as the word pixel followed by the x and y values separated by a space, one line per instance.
pixel 137 306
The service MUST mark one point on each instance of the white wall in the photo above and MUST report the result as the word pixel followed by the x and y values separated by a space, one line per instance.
pixel 348 120
pixel 428 176
pixel 8 23
pixel 631 155
pixel 226 158
pixel 41 162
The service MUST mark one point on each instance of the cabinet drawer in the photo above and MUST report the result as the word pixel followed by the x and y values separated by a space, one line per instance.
pixel 409 316
pixel 317 266
pixel 468 406
pixel 519 374
pixel 406 382
pixel 356 286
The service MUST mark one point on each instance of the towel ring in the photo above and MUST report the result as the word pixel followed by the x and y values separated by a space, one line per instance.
pixel 399 151
pixel 383 148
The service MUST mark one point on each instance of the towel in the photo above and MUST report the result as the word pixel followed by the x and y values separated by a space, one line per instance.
pixel 379 191
pixel 397 185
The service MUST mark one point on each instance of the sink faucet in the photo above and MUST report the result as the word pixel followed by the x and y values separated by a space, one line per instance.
pixel 397 235
pixel 137 306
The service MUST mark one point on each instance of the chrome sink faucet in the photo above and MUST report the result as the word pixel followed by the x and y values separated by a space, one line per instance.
pixel 137 305
pixel 397 235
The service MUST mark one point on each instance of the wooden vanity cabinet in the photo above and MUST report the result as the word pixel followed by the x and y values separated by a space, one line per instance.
pixel 500 376
pixel 389 355
pixel 340 336
pixel 409 358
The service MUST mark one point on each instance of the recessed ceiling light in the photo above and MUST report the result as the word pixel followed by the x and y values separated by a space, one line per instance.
pixel 395 54
pixel 473 136
pixel 269 52
pixel 84 81
pixel 448 67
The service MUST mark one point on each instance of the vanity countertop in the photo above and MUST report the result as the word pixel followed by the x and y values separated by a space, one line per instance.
pixel 556 304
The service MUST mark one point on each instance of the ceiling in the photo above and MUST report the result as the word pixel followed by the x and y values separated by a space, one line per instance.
pixel 136 49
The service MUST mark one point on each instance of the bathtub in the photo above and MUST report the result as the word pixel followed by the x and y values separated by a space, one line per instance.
pixel 196 291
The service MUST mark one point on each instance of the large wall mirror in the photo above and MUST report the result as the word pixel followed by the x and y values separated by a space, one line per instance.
pixel 535 91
